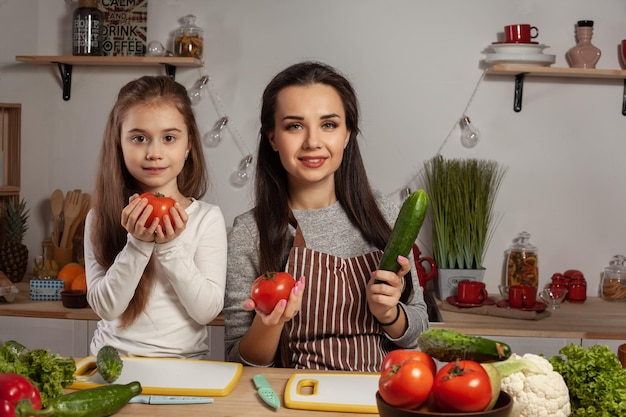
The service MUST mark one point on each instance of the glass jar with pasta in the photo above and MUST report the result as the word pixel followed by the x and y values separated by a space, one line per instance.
pixel 188 39
pixel 613 283
pixel 522 263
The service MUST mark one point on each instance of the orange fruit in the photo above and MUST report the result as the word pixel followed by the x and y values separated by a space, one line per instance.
pixel 80 282
pixel 69 272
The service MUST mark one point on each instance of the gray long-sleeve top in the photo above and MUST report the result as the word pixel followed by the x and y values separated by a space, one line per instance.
pixel 326 230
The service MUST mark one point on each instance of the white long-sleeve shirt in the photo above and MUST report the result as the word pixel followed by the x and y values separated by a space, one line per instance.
pixel 188 291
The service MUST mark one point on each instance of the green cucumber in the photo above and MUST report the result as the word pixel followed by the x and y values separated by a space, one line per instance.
pixel 449 345
pixel 405 230
pixel 109 363
pixel 100 401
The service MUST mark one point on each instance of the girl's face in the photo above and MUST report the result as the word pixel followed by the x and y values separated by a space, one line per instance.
pixel 310 134
pixel 155 144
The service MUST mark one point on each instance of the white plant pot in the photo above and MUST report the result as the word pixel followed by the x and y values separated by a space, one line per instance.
pixel 448 280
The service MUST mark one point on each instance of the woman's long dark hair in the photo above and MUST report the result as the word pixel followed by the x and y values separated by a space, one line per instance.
pixel 352 186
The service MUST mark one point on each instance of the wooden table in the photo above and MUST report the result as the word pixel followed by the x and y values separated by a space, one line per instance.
pixel 242 401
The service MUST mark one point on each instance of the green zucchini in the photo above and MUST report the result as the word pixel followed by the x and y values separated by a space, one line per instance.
pixel 100 401
pixel 405 230
pixel 449 345
pixel 109 363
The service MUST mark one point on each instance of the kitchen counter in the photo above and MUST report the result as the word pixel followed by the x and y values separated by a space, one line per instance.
pixel 22 306
pixel 594 319
pixel 243 400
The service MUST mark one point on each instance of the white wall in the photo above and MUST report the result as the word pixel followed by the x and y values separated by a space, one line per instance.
pixel 415 65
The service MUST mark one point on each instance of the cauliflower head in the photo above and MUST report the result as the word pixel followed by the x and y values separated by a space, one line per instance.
pixel 537 389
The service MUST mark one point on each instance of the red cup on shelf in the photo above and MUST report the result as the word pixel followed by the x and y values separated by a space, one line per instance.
pixel 522 296
pixel 471 292
pixel 520 33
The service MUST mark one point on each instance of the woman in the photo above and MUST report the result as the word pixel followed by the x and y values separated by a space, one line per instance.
pixel 317 218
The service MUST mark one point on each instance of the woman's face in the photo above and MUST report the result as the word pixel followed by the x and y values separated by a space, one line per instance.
pixel 155 144
pixel 310 134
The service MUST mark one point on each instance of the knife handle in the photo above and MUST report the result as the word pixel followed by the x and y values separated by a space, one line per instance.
pixel 260 381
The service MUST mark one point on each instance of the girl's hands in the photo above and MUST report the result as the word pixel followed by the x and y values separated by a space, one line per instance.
pixel 285 310
pixel 136 213
pixel 383 298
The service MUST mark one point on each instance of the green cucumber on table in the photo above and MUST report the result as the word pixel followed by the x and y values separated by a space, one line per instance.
pixel 449 345
pixel 405 231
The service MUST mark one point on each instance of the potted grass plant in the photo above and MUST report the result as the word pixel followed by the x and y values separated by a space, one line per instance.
pixel 462 194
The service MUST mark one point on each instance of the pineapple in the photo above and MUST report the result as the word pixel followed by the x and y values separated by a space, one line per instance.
pixel 13 253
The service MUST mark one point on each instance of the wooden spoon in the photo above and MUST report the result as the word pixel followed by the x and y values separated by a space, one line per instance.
pixel 85 198
pixel 56 204
pixel 71 210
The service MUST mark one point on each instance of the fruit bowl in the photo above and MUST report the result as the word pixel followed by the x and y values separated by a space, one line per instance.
pixel 74 298
pixel 502 408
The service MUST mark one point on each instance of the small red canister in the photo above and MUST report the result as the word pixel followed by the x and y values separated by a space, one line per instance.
pixel 577 289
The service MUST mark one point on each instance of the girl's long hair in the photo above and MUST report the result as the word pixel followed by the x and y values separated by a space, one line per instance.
pixel 114 183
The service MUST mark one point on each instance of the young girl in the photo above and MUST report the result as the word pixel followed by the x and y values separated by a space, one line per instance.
pixel 317 218
pixel 154 286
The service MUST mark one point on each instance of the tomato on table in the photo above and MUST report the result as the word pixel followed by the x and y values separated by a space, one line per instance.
pixel 399 356
pixel 161 206
pixel 270 288
pixel 462 386
pixel 406 385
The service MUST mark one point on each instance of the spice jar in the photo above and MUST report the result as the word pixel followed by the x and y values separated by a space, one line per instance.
pixel 577 292
pixel 188 39
pixel 522 265
pixel 613 282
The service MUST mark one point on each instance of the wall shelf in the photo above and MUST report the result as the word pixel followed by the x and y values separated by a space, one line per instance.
pixel 66 63
pixel 520 71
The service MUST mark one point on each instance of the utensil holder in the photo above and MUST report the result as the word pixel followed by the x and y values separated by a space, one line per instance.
pixel 62 256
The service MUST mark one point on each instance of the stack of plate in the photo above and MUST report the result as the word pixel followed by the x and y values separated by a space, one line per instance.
pixel 519 53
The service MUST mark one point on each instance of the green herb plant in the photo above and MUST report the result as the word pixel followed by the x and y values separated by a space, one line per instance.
pixel 462 195
pixel 595 379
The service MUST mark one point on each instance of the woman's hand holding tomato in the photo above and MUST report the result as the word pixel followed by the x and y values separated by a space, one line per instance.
pixel 276 297
pixel 138 218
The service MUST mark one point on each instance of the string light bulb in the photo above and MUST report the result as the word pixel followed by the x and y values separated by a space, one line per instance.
pixel 470 136
pixel 240 177
pixel 214 136
pixel 197 92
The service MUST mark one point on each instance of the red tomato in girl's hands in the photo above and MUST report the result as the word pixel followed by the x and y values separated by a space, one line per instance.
pixel 399 356
pixel 462 387
pixel 270 288
pixel 161 206
pixel 406 385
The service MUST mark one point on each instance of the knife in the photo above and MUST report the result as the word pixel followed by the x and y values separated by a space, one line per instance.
pixel 169 399
pixel 265 391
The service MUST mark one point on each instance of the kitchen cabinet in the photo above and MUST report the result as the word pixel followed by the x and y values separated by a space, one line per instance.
pixel 521 71
pixel 66 64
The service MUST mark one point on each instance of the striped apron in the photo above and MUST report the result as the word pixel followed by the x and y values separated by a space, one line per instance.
pixel 334 328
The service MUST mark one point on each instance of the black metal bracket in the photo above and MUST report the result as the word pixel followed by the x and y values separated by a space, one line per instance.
pixel 624 100
pixel 66 78
pixel 519 90
pixel 170 70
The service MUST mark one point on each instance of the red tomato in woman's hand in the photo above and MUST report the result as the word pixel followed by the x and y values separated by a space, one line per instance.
pixel 462 387
pixel 161 206
pixel 399 356
pixel 406 385
pixel 270 288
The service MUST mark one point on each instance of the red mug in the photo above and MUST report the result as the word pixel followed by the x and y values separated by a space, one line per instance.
pixel 425 266
pixel 522 296
pixel 471 292
pixel 520 33
pixel 622 52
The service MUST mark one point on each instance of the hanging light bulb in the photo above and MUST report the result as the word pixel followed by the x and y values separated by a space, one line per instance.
pixel 197 92
pixel 469 134
pixel 214 136
pixel 240 177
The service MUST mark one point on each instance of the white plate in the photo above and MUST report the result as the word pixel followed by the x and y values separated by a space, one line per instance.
pixel 517 48
pixel 540 60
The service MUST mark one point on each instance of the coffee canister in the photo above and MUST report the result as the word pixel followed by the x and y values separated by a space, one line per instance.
pixel 87 25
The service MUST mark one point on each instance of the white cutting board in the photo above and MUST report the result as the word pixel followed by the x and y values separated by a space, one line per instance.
pixel 166 376
pixel 342 392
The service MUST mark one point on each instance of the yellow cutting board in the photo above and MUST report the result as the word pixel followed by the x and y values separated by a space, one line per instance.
pixel 166 376
pixel 341 392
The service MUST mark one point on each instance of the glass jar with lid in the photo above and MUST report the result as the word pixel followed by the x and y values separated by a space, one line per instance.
pixel 613 282
pixel 522 263
pixel 188 39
